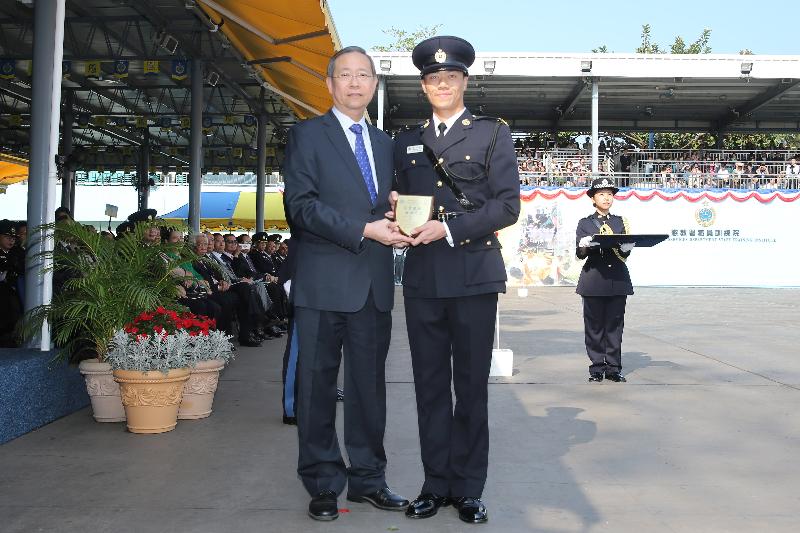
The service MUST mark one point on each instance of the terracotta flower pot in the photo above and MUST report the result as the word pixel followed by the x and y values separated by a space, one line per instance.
pixel 151 399
pixel 103 391
pixel 198 393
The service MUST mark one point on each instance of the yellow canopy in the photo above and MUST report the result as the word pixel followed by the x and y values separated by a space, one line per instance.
pixel 245 212
pixel 293 38
pixel 12 169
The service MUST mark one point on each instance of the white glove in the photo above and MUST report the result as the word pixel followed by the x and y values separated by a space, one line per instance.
pixel 627 246
pixel 586 242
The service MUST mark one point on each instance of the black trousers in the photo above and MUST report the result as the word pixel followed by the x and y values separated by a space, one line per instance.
pixel 363 338
pixel 603 321
pixel 451 341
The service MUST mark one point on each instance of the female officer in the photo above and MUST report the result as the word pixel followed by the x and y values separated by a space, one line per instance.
pixel 604 284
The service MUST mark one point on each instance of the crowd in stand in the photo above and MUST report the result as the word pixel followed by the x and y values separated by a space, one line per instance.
pixel 240 281
pixel 669 169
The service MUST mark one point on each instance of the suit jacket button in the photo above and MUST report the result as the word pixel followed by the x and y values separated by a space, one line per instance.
pixel 462 243
pixel 413 161
pixel 372 212
pixel 467 241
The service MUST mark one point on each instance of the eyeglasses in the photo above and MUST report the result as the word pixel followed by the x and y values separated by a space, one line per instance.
pixel 346 77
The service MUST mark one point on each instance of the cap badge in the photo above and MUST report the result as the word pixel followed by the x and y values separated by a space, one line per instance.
pixel 440 56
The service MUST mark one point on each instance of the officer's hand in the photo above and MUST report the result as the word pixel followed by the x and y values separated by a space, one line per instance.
pixel 392 202
pixel 587 242
pixel 431 231
pixel 627 246
pixel 385 232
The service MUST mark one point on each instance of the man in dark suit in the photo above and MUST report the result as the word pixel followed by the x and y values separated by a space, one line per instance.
pixel 604 284
pixel 338 174
pixel 452 275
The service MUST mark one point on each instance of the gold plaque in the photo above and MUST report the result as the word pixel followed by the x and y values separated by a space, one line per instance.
pixel 411 212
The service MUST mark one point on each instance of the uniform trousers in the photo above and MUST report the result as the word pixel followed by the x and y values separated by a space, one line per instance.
pixel 451 341
pixel 603 321
pixel 363 338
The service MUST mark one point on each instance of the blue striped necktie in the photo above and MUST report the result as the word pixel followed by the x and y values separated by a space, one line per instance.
pixel 363 162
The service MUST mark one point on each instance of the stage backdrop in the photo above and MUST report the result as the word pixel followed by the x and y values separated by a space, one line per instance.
pixel 717 238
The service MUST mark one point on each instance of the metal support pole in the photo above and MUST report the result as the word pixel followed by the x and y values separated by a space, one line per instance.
pixel 261 172
pixel 48 51
pixel 595 125
pixel 196 147
pixel 381 100
pixel 67 173
pixel 143 173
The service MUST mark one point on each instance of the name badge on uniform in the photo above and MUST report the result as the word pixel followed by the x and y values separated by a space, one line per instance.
pixel 416 149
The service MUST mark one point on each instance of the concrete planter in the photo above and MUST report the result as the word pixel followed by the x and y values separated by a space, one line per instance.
pixel 103 391
pixel 151 399
pixel 198 393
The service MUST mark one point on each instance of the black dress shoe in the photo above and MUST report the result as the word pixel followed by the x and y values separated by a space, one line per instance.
pixel 274 332
pixel 426 505
pixel 323 506
pixel 616 377
pixel 290 420
pixel 250 342
pixel 339 395
pixel 471 510
pixel 382 499
pixel 596 376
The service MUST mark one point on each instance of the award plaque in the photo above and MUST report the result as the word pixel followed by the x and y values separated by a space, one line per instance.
pixel 411 212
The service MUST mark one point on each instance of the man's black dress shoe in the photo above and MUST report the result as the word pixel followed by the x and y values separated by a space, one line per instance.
pixel 382 499
pixel 339 395
pixel 426 505
pixel 616 377
pixel 323 506
pixel 290 420
pixel 596 376
pixel 471 510
pixel 250 342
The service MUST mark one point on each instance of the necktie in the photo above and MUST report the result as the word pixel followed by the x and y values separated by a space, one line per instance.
pixel 442 128
pixel 363 162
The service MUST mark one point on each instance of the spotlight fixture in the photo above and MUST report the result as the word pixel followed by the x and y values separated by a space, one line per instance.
pixel 213 78
pixel 168 43
pixel 489 65
pixel 386 65
pixel 747 67
pixel 586 66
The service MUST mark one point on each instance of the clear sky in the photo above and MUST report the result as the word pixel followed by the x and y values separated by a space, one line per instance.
pixel 763 26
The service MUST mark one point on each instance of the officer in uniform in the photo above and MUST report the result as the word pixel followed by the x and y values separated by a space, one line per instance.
pixel 453 273
pixel 604 284
pixel 10 269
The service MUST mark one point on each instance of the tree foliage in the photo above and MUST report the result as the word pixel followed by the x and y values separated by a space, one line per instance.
pixel 648 46
pixel 405 41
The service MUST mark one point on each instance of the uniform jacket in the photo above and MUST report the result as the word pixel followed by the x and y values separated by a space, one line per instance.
pixel 329 204
pixel 263 262
pixel 475 264
pixel 604 272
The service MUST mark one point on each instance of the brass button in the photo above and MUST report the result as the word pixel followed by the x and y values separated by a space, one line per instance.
pixel 467 241
pixel 488 243
pixel 467 158
pixel 413 161
pixel 462 243
pixel 438 183
pixel 441 160
pixel 441 209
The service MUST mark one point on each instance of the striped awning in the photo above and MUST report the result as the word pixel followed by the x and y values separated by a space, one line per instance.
pixel 233 209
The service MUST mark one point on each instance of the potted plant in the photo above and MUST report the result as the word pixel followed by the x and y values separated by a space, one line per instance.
pixel 211 350
pixel 151 359
pixel 99 286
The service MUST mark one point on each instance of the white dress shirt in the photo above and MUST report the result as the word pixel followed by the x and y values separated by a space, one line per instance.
pixel 449 122
pixel 346 122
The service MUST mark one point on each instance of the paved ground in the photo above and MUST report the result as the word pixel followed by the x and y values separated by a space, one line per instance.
pixel 703 437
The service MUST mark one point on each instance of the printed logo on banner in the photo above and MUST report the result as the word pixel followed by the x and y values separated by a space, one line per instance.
pixel 705 215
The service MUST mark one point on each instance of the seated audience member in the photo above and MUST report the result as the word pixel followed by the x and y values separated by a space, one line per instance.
pixel 238 297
